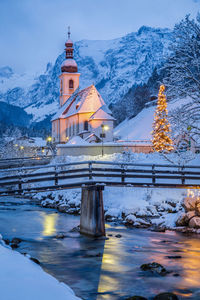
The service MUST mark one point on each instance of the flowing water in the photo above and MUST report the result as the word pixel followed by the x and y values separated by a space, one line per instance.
pixel 103 269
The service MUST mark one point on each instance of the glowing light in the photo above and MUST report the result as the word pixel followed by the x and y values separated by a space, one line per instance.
pixel 21 147
pixel 49 224
pixel 161 127
pixel 49 139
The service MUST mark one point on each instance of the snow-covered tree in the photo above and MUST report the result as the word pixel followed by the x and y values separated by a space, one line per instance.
pixel 161 128
pixel 182 73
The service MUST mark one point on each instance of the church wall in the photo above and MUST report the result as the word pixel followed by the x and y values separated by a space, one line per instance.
pixel 97 129
pixel 65 90
pixel 55 131
pixel 82 118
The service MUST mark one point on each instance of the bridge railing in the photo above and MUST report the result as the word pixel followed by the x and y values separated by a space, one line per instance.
pixel 11 163
pixel 76 174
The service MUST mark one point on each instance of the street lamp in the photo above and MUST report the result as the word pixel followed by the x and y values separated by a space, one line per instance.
pixel 49 139
pixel 103 135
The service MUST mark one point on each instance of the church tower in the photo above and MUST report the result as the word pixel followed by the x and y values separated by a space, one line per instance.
pixel 69 78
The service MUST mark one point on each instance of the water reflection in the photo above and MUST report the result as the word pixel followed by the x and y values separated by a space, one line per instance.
pixel 49 223
pixel 110 269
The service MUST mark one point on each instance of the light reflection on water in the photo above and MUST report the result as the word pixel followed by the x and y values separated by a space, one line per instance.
pixel 49 223
pixel 114 273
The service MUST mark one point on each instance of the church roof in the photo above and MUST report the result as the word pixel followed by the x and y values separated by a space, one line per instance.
pixel 85 101
pixel 103 113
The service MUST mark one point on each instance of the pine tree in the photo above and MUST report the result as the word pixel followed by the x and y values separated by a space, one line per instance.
pixel 161 127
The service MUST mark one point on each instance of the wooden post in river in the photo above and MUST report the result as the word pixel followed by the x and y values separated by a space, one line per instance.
pixel 92 211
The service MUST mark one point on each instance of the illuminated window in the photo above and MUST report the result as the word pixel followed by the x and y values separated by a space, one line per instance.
pixel 71 84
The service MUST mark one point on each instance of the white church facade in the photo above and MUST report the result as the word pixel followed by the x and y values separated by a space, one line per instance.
pixel 82 113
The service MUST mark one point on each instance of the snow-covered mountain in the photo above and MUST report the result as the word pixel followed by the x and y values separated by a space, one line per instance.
pixel 114 66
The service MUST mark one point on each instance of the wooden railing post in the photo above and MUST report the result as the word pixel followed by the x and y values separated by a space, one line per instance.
pixel 90 170
pixel 182 175
pixel 123 174
pixel 153 174
pixel 56 176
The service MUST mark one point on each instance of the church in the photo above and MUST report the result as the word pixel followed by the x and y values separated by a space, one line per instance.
pixel 82 113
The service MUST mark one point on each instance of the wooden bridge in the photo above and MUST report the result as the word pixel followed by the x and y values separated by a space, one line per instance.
pixel 24 161
pixel 91 177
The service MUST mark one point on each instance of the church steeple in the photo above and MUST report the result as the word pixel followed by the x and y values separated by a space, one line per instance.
pixel 69 65
pixel 69 46
pixel 69 78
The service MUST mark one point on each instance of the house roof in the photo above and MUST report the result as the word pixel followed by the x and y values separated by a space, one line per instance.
pixel 85 101
pixel 103 113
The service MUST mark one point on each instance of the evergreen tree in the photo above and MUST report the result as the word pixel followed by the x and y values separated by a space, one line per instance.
pixel 161 127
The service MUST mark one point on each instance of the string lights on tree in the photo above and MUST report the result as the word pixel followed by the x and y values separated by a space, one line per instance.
pixel 161 128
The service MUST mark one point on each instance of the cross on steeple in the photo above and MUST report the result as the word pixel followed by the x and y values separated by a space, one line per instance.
pixel 69 32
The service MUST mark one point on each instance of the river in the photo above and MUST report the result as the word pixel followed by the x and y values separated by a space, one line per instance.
pixel 103 269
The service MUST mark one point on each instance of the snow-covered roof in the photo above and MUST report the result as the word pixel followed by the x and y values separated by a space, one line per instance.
pixel 87 100
pixel 77 140
pixel 102 114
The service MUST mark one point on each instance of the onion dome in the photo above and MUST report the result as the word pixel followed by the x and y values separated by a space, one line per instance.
pixel 69 65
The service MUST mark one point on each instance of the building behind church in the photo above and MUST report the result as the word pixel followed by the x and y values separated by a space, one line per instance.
pixel 82 113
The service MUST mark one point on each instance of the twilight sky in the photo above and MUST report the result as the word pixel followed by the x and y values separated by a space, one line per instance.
pixel 33 32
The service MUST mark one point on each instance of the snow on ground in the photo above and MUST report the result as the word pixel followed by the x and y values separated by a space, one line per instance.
pixel 139 206
pixel 25 280
pixel 140 127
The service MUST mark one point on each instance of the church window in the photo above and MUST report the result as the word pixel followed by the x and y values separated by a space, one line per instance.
pixel 71 84
pixel 74 128
pixel 86 125
pixel 61 86
pixel 70 130
pixel 77 128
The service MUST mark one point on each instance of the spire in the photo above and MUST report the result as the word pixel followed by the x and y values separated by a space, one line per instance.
pixel 69 65
pixel 69 46
pixel 69 32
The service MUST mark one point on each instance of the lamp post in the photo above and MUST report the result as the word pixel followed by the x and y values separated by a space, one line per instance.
pixel 103 135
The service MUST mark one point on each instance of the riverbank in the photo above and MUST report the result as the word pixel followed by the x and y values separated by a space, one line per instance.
pixel 23 279
pixel 98 269
pixel 159 208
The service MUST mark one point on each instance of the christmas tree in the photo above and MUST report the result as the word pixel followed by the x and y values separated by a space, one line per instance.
pixel 161 127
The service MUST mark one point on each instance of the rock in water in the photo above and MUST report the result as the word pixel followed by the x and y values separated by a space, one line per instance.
pixel 165 296
pixel 155 268
pixel 16 240
pixel 35 260
pixel 194 222
pixel 184 219
pixel 191 204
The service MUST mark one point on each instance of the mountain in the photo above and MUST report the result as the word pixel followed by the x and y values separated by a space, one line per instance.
pixel 114 66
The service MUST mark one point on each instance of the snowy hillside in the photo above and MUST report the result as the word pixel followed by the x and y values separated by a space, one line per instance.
pixel 140 127
pixel 113 66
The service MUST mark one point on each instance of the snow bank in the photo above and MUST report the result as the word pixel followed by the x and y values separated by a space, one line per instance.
pixel 77 140
pixel 23 279
pixel 140 127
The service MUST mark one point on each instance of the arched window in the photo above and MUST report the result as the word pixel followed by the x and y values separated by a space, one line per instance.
pixel 86 125
pixel 71 84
